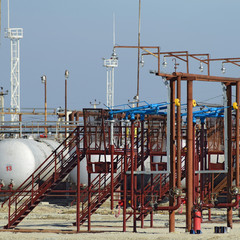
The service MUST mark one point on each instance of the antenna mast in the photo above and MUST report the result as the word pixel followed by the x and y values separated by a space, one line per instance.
pixel 110 64
pixel 14 34
pixel 138 65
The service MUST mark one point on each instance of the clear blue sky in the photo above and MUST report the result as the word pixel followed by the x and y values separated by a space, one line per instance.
pixel 76 34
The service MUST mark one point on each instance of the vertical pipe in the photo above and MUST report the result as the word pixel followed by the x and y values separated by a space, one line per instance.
pixel 142 169
pixel 65 107
pixel 172 180
pixel 189 162
pixel 208 65
pixel 8 15
pixel 138 65
pixel 135 196
pixel 237 138
pixel 237 134
pixel 125 183
pixel 194 163
pixel 179 172
pixel 112 176
pixel 202 167
pixel 229 153
pixel 78 182
pixel 132 176
pixel 112 163
pixel 187 63
pixel 9 211
pixel 152 192
pixel 89 201
pixel 132 162
pixel 45 105
pixel 20 124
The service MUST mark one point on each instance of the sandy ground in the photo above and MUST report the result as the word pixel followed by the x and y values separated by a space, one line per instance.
pixel 105 225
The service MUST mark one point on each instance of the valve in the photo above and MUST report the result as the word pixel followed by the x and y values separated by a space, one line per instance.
pixel 175 192
pixel 177 102
pixel 234 191
pixel 214 197
pixel 235 105
pixel 194 103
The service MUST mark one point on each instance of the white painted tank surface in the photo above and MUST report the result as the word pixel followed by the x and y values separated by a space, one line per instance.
pixel 20 157
pixel 84 172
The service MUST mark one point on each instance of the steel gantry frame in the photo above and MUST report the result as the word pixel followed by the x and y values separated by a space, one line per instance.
pixel 120 145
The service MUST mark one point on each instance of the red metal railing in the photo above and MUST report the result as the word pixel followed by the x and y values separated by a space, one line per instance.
pixel 45 177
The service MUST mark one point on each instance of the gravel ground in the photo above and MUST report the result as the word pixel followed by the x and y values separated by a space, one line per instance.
pixel 50 217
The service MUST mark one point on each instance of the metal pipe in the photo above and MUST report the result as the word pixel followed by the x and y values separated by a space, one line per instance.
pixel 167 208
pixel 112 163
pixel 138 65
pixel 66 106
pixel 78 182
pixel 229 153
pixel 189 162
pixel 132 163
pixel 142 169
pixel 125 183
pixel 222 205
pixel 237 133
pixel 89 198
pixel 172 181
pixel 179 155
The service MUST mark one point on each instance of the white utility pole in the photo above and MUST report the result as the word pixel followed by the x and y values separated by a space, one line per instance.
pixel 14 34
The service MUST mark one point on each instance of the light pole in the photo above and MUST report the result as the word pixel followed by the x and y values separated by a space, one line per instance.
pixel 44 81
pixel 66 77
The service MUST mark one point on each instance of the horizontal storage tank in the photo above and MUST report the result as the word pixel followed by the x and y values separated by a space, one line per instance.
pixel 84 172
pixel 19 158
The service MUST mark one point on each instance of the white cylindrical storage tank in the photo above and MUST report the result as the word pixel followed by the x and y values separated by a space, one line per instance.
pixel 19 158
pixel 84 172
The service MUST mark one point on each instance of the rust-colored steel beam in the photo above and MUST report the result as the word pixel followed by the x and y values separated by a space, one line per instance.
pixel 179 145
pixel 198 77
pixel 78 183
pixel 189 160
pixel 229 154
pixel 125 184
pixel 237 133
pixel 137 47
pixel 142 169
pixel 172 179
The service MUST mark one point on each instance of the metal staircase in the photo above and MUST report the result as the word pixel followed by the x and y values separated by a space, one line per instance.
pixel 103 189
pixel 47 176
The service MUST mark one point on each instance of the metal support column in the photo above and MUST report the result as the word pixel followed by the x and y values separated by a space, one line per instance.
pixel 78 182
pixel 189 160
pixel 237 133
pixel 172 179
pixel 133 177
pixel 112 164
pixel 125 182
pixel 229 154
pixel 237 136
pixel 142 169
pixel 89 199
pixel 179 146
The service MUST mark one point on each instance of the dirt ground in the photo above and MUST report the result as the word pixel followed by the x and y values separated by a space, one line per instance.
pixel 50 217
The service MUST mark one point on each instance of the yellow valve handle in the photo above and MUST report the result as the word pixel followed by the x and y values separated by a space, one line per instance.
pixel 194 103
pixel 177 102
pixel 235 105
